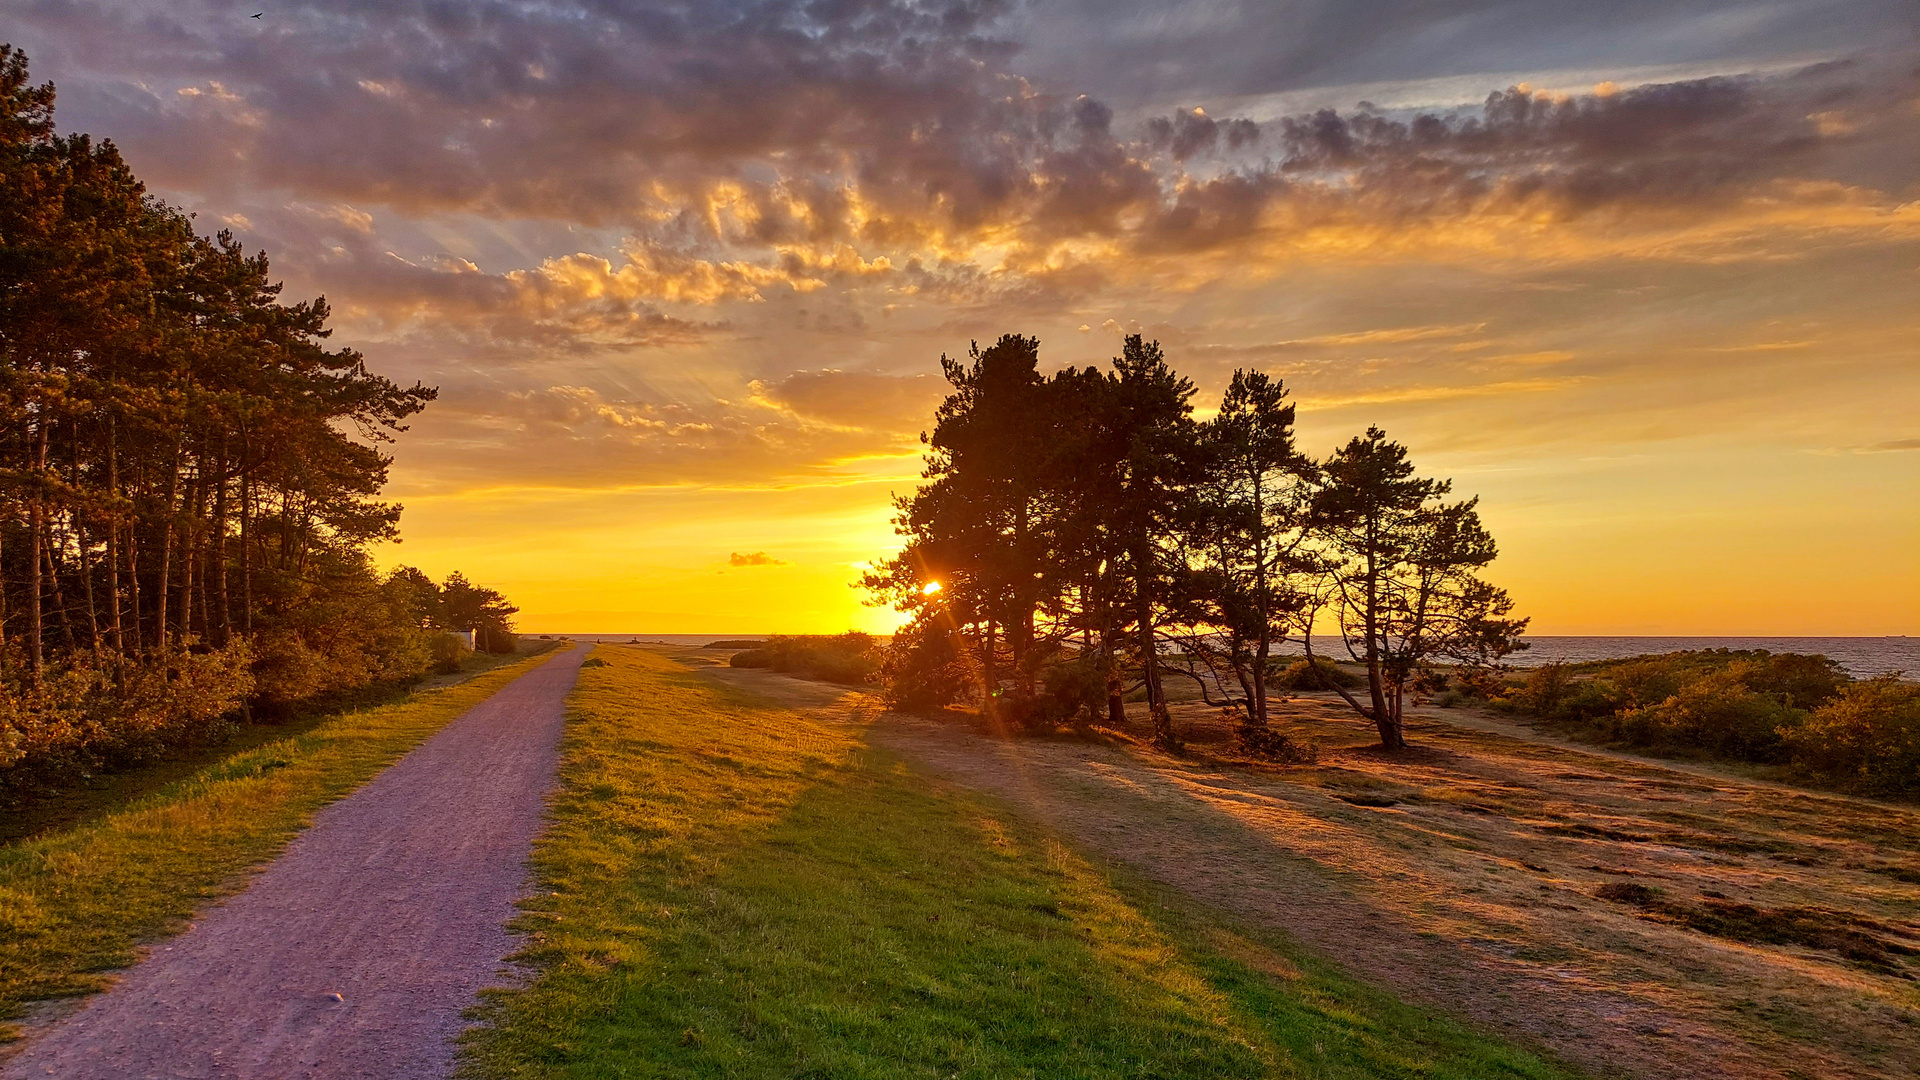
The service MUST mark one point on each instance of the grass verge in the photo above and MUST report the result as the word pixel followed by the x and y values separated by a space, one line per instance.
pixel 76 903
pixel 40 810
pixel 732 889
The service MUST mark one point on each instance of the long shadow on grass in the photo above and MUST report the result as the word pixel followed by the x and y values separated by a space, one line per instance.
pixel 736 890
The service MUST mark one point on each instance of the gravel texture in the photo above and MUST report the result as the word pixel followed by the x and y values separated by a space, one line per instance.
pixel 355 953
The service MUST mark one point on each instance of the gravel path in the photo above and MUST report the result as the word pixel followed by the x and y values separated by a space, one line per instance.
pixel 395 901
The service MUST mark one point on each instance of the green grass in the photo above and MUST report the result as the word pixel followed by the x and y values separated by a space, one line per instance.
pixel 734 890
pixel 76 903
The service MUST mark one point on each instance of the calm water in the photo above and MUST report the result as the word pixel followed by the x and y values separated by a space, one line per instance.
pixel 1863 657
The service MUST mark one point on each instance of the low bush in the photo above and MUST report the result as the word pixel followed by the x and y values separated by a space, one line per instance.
pixel 923 668
pixel 1867 736
pixel 448 652
pixel 1769 708
pixel 851 658
pixel 1264 741
pixel 1322 674
pixel 95 712
pixel 1720 714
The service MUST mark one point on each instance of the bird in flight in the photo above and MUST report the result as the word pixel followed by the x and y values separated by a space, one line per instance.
pixel 256 14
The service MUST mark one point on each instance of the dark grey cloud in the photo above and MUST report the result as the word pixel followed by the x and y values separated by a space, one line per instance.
pixel 570 109
pixel 1144 53
pixel 738 145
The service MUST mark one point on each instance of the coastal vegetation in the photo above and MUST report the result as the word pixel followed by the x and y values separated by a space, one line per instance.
pixel 852 658
pixel 734 888
pixel 189 478
pixel 1801 712
pixel 1073 529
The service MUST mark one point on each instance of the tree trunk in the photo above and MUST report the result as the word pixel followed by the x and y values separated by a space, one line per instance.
pixel 3 606
pixel 86 559
pixel 86 580
pixel 1116 685
pixel 246 532
pixel 37 516
pixel 60 599
pixel 225 622
pixel 1384 719
pixel 1163 736
pixel 164 579
pixel 36 649
pixel 1259 705
pixel 990 673
pixel 113 534
pixel 133 587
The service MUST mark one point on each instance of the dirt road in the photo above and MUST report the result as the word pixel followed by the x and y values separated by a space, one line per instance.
pixel 355 953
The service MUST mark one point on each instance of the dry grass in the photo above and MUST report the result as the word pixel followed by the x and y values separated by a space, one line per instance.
pixel 1469 873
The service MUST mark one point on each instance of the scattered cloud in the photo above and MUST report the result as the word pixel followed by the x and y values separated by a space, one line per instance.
pixel 757 558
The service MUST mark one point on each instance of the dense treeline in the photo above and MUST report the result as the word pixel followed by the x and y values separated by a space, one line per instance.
pixel 1802 712
pixel 1082 536
pixel 189 476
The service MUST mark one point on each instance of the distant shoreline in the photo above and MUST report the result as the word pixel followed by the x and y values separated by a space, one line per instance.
pixel 1862 657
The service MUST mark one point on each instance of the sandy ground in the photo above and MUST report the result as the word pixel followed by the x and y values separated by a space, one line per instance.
pixel 1464 875
pixel 355 953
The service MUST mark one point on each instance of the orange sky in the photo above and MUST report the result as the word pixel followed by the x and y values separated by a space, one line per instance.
pixel 1642 276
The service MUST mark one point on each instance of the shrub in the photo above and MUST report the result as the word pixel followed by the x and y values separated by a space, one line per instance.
pixel 1551 692
pixel 447 653
pixel 1743 705
pixel 1264 741
pixel 1544 689
pixel 1804 682
pixel 851 658
pixel 1866 736
pixel 1477 682
pixel 97 711
pixel 924 668
pixel 1073 691
pixel 1322 674
pixel 1717 713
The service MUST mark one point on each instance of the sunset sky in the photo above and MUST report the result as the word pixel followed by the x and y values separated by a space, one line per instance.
pixel 1643 275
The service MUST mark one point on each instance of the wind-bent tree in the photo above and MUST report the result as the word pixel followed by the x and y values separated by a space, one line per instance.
pixel 1403 577
pixel 1248 540
pixel 1070 528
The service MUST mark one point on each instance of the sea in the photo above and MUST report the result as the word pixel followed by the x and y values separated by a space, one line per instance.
pixel 1862 657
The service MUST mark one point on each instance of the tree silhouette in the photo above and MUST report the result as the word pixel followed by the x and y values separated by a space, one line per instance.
pixel 1402 581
